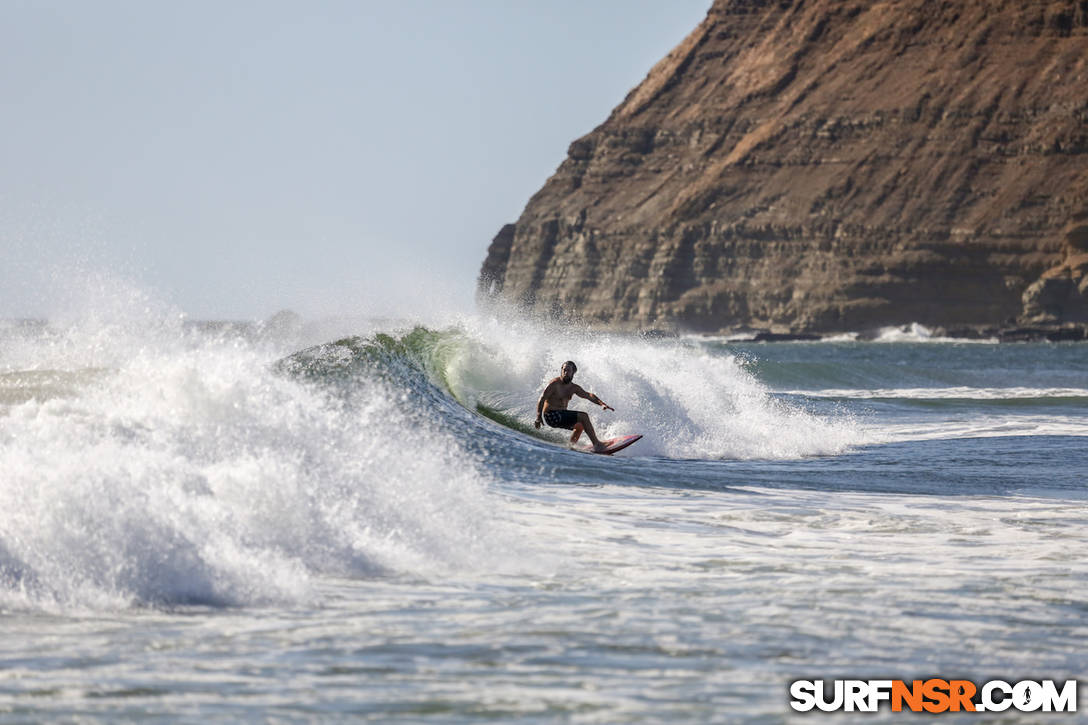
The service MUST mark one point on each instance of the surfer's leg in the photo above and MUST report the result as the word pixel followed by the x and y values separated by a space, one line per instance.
pixel 577 433
pixel 583 419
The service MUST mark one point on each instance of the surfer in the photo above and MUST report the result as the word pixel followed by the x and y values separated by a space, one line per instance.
pixel 552 406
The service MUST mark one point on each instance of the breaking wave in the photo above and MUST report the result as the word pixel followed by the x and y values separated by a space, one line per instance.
pixel 181 469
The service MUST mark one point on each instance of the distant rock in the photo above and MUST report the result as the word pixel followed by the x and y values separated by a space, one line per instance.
pixel 822 166
pixel 1061 293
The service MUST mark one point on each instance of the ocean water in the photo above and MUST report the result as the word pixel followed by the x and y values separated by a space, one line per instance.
pixel 355 520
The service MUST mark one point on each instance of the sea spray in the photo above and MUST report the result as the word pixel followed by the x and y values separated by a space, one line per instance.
pixel 197 473
pixel 688 402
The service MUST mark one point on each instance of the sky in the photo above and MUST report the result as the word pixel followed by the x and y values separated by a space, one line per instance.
pixel 330 157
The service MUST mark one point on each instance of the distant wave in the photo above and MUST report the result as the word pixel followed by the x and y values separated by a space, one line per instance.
pixel 915 332
pixel 1063 395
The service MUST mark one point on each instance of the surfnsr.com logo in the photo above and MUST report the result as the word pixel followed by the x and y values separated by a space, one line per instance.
pixel 933 695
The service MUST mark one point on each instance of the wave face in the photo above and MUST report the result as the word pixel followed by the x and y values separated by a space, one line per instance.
pixel 168 466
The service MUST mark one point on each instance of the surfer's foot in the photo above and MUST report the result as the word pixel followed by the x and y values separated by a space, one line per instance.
pixel 598 447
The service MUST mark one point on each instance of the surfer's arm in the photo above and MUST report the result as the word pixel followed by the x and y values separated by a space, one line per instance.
pixel 592 398
pixel 540 405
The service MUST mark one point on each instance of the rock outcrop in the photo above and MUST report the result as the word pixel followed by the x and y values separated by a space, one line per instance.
pixel 1061 294
pixel 825 165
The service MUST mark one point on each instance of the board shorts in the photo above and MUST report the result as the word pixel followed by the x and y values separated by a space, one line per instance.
pixel 561 418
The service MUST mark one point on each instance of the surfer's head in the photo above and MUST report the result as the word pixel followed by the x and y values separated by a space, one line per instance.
pixel 567 371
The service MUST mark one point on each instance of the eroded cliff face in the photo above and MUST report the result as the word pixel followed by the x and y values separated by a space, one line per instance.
pixel 826 165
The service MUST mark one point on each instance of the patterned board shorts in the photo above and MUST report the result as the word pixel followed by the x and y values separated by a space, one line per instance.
pixel 561 418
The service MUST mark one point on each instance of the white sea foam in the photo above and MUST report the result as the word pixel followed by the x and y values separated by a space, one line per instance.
pixel 981 426
pixel 192 473
pixel 687 401
pixel 915 332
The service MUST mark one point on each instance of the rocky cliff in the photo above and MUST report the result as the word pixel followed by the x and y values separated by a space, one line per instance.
pixel 825 165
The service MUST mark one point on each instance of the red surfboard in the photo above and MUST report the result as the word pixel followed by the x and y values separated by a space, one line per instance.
pixel 614 444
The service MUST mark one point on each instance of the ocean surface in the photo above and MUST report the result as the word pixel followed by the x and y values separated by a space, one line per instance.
pixel 355 520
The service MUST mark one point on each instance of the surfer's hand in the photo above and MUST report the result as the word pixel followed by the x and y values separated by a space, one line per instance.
pixel 606 406
pixel 536 422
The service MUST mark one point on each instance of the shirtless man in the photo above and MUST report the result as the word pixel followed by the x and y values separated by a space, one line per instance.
pixel 552 406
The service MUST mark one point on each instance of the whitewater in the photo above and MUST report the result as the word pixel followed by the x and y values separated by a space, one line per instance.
pixel 328 520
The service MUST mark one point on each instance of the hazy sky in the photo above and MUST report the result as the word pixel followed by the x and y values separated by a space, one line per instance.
pixel 236 158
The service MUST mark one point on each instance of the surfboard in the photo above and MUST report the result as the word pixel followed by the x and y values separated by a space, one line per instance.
pixel 614 444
